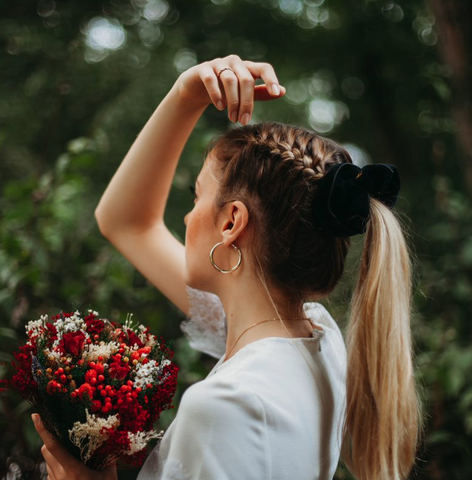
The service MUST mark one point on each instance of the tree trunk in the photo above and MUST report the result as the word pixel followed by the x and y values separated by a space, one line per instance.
pixel 453 26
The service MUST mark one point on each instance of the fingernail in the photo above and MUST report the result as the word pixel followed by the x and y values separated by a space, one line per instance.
pixel 234 117
pixel 34 418
pixel 220 105
pixel 275 89
pixel 245 119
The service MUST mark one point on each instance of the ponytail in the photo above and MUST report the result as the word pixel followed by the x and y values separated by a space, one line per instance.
pixel 384 416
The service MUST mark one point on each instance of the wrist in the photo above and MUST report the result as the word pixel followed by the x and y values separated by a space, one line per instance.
pixel 185 104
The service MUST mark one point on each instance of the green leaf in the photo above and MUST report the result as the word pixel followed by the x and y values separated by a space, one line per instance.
pixel 8 332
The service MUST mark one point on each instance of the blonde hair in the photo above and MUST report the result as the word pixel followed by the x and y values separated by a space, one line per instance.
pixel 384 416
pixel 384 419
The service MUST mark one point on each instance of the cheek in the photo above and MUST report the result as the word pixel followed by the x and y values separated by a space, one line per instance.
pixel 194 229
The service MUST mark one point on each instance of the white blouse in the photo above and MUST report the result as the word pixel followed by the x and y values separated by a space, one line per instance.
pixel 273 411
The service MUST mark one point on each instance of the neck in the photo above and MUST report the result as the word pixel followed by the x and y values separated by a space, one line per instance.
pixel 245 303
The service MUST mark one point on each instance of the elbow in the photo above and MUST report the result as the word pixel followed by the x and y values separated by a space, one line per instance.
pixel 100 223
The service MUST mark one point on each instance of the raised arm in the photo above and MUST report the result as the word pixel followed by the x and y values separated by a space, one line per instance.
pixel 130 213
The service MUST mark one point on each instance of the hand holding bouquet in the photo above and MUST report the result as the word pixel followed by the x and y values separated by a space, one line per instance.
pixel 98 386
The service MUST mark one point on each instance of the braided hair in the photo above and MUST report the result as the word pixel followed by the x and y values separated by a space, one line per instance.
pixel 273 169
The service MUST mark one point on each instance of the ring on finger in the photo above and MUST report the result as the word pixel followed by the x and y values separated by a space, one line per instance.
pixel 230 87
pixel 222 70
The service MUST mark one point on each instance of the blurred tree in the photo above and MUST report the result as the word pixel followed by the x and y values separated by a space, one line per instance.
pixel 389 80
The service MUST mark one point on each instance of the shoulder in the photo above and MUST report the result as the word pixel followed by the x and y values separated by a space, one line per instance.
pixel 321 316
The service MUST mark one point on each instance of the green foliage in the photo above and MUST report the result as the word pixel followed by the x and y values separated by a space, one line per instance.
pixel 366 74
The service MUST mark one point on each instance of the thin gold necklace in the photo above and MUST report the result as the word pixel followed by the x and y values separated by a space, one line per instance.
pixel 269 320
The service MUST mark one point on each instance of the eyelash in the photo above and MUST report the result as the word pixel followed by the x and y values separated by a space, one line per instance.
pixel 193 192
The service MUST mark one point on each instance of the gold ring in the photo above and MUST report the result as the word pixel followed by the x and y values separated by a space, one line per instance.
pixel 222 70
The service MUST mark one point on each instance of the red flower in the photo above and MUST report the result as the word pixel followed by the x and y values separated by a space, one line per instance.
pixel 133 338
pixel 96 406
pixel 52 328
pixel 95 327
pixel 23 380
pixel 86 389
pixel 72 343
pixel 98 367
pixel 117 371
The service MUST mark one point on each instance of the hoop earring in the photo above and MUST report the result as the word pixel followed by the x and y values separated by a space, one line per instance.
pixel 217 267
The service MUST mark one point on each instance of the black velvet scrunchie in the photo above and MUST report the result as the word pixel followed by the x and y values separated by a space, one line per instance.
pixel 342 199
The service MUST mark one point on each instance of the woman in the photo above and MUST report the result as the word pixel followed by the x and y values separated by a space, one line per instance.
pixel 275 208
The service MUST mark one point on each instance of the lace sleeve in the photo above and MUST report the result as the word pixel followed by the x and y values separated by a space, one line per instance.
pixel 205 326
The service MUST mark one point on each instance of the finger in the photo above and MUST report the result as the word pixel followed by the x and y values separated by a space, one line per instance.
pixel 261 94
pixel 210 80
pixel 50 473
pixel 53 445
pixel 267 73
pixel 246 92
pixel 51 462
pixel 230 83
pixel 48 438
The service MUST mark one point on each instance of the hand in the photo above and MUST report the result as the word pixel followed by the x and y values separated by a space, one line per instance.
pixel 199 86
pixel 61 465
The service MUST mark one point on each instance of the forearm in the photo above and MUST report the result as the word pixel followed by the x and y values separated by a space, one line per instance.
pixel 137 194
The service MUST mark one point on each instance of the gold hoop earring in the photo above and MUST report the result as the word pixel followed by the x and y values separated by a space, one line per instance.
pixel 217 267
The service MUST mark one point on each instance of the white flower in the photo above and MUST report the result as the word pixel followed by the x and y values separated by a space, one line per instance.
pixel 127 323
pixel 36 327
pixel 70 324
pixel 92 352
pixel 149 372
pixel 88 436
pixel 144 373
pixel 139 440
pixel 150 342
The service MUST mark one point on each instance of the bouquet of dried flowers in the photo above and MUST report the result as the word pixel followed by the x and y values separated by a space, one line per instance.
pixel 98 385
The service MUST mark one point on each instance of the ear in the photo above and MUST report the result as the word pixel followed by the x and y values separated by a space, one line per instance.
pixel 234 221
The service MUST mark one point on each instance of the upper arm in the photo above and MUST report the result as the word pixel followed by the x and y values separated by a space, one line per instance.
pixel 159 256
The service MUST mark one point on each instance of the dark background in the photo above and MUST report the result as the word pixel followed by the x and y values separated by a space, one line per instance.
pixel 391 81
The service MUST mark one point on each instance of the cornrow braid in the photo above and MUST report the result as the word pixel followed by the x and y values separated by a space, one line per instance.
pixel 292 150
pixel 301 161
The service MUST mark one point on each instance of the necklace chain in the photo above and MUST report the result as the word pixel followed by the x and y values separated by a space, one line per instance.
pixel 257 323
